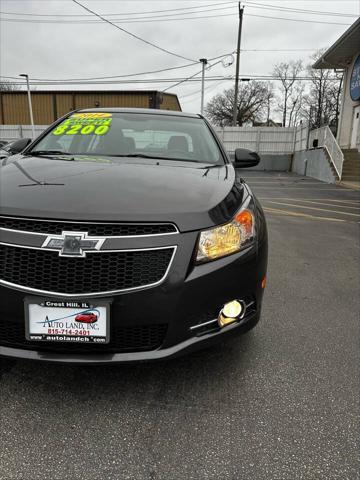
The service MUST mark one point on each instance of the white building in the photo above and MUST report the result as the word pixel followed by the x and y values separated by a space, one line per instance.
pixel 345 54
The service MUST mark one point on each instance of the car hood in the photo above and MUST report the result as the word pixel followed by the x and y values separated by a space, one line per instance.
pixel 104 189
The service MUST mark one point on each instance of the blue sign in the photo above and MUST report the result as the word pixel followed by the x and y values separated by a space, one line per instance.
pixel 355 81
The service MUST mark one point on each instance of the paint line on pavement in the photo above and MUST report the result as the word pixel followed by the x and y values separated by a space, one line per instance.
pixel 280 184
pixel 314 208
pixel 303 215
pixel 313 199
pixel 318 203
pixel 315 189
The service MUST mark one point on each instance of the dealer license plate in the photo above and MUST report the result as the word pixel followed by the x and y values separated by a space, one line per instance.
pixel 67 321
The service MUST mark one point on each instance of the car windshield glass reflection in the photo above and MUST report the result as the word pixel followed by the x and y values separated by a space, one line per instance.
pixel 132 135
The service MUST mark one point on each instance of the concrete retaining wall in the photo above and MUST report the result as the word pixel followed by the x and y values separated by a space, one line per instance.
pixel 272 162
pixel 313 163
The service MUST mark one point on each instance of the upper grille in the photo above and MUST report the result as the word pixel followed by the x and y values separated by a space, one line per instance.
pixel 97 273
pixel 94 229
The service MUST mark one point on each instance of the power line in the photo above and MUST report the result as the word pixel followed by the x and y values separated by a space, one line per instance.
pixel 178 80
pixel 76 22
pixel 109 82
pixel 183 80
pixel 263 6
pixel 194 75
pixel 118 82
pixel 296 19
pixel 115 23
pixel 118 14
pixel 151 19
pixel 132 34
pixel 140 15
pixel 111 76
pixel 207 89
pixel 60 80
pixel 65 80
pixel 137 19
pixel 224 55
pixel 82 21
pixel 154 80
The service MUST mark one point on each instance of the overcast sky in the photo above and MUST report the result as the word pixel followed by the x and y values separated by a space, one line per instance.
pixel 77 50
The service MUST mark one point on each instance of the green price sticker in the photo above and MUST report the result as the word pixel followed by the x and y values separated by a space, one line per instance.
pixel 84 124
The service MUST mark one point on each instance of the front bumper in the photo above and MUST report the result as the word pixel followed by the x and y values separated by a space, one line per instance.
pixel 185 299
pixel 182 348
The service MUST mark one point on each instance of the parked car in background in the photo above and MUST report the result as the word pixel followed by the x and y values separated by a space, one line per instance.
pixel 12 148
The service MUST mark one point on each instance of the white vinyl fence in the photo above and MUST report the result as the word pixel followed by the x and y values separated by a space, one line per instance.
pixel 13 132
pixel 301 138
pixel 264 139
pixel 260 139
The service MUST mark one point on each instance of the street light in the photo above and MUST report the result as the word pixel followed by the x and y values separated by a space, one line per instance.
pixel 204 63
pixel 236 89
pixel 30 104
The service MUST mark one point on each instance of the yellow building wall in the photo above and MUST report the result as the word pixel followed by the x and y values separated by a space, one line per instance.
pixel 49 106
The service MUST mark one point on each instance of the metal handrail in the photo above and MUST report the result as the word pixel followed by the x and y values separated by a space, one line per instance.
pixel 327 140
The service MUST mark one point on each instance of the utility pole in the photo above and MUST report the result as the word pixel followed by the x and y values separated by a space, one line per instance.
pixel 30 104
pixel 204 63
pixel 241 12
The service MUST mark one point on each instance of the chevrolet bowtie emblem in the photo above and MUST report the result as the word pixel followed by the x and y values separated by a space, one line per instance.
pixel 73 244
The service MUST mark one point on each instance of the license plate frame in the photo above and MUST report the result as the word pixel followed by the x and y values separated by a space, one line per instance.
pixel 36 308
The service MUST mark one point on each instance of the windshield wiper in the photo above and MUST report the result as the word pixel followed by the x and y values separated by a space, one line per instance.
pixel 155 157
pixel 39 153
pixel 48 153
pixel 213 165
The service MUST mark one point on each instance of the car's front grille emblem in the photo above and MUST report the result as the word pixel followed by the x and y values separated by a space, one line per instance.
pixel 73 244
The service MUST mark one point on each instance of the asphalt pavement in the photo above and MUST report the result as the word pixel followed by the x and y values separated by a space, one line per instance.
pixel 280 403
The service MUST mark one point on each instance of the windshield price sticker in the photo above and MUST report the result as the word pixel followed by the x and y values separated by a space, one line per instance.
pixel 85 124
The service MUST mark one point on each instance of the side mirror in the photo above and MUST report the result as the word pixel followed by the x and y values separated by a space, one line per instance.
pixel 19 145
pixel 245 158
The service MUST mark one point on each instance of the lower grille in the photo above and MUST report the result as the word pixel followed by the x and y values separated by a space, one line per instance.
pixel 125 339
pixel 97 273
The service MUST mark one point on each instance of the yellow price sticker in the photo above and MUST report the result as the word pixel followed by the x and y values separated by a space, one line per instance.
pixel 84 124
pixel 92 115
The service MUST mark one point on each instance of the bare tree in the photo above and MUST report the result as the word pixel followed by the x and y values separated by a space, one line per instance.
pixel 7 86
pixel 296 103
pixel 253 104
pixel 269 100
pixel 321 104
pixel 288 74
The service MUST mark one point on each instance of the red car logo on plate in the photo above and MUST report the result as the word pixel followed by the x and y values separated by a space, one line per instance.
pixel 86 318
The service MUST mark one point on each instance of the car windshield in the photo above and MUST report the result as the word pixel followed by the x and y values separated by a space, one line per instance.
pixel 170 137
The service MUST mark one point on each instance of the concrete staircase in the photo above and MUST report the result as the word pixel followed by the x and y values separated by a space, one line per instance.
pixel 351 166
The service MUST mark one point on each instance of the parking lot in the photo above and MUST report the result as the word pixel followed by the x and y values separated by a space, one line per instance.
pixel 278 403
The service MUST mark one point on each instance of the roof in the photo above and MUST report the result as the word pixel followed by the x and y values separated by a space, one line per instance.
pixel 342 52
pixel 93 92
pixel 140 110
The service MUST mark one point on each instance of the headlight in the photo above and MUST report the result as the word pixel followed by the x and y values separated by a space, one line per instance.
pixel 229 238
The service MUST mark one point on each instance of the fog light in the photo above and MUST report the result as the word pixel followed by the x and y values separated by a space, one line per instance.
pixel 230 313
pixel 232 309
